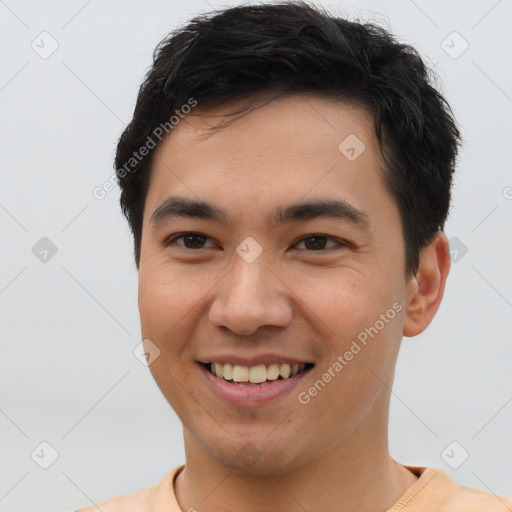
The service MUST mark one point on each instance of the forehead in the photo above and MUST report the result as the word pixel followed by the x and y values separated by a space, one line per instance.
pixel 283 151
pixel 289 119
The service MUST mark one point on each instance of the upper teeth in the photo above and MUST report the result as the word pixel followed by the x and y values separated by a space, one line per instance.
pixel 255 374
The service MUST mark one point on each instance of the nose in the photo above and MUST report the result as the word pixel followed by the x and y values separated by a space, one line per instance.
pixel 250 296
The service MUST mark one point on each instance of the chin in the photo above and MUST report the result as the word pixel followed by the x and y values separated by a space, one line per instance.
pixel 253 454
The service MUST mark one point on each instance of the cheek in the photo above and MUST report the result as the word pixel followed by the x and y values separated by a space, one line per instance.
pixel 342 301
pixel 359 324
pixel 166 300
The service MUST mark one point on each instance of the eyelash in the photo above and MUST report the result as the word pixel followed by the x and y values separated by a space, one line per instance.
pixel 341 244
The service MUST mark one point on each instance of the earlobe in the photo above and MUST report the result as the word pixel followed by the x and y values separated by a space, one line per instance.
pixel 425 290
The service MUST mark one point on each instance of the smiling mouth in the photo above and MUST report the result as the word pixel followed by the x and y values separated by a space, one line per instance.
pixel 256 375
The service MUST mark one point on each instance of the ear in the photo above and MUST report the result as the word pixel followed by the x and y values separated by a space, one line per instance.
pixel 425 290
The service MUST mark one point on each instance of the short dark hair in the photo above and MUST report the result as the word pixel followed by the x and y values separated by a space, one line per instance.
pixel 294 47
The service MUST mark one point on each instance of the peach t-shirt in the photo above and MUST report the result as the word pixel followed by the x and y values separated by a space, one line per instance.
pixel 434 491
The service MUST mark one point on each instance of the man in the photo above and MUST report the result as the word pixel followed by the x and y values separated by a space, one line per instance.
pixel 287 177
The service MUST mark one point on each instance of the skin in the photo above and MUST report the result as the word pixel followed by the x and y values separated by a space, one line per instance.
pixel 331 454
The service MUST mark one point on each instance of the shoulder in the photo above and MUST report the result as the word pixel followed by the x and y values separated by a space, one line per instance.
pixel 157 498
pixel 137 500
pixel 469 499
pixel 435 490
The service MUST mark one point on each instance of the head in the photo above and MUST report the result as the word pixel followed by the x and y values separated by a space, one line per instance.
pixel 256 111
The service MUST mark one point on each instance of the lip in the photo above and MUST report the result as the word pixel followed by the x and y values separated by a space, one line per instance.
pixel 240 395
pixel 267 358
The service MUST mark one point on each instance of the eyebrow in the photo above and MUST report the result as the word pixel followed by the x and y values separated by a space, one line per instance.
pixel 176 206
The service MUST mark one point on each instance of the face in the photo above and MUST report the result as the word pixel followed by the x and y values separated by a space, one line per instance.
pixel 240 285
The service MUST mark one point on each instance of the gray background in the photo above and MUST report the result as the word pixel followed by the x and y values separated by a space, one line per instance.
pixel 69 325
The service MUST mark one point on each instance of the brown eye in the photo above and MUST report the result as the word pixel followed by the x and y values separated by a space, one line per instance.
pixel 318 242
pixel 190 240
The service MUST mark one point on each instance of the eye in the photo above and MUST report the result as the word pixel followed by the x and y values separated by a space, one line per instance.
pixel 190 240
pixel 314 242
pixel 318 242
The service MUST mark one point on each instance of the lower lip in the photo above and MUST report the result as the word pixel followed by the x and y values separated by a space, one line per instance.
pixel 249 395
